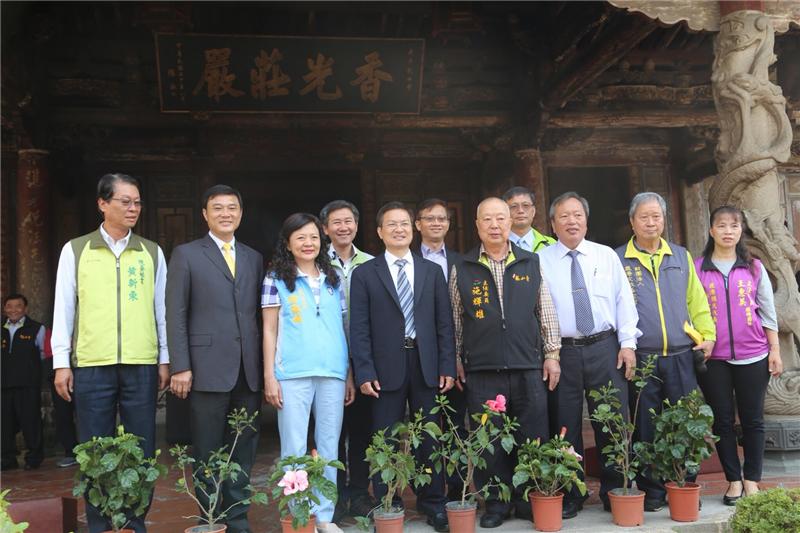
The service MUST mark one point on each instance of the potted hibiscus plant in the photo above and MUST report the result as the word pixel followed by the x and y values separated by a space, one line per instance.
pixel 116 477
pixel 622 453
pixel 548 468
pixel 297 482
pixel 208 476
pixel 391 456
pixel 682 440
pixel 462 454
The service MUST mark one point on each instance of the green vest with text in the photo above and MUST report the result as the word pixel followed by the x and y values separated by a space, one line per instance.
pixel 115 316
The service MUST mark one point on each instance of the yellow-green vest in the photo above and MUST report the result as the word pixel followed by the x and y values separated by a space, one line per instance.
pixel 115 316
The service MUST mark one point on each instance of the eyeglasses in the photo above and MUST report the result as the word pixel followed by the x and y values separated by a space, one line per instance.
pixel 525 206
pixel 431 218
pixel 127 203
pixel 391 226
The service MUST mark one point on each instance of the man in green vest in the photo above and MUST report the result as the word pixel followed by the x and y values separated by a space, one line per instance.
pixel 522 204
pixel 109 330
pixel 668 294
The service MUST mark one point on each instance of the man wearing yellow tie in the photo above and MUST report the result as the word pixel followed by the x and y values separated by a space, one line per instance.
pixel 213 313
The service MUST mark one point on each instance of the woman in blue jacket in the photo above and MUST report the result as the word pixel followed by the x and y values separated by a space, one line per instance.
pixel 305 350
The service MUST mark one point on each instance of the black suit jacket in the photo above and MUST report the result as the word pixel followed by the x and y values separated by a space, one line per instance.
pixel 213 320
pixel 377 326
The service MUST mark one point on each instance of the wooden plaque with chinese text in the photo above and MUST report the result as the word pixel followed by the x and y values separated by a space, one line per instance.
pixel 279 74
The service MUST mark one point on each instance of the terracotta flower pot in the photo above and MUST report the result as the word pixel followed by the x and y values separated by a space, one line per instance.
pixel 391 522
pixel 627 510
pixel 546 511
pixel 287 527
pixel 461 517
pixel 205 528
pixel 684 502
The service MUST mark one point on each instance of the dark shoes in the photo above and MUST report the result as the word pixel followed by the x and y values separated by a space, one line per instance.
pixel 606 503
pixel 731 500
pixel 523 511
pixel 571 508
pixel 654 505
pixel 438 521
pixel 492 520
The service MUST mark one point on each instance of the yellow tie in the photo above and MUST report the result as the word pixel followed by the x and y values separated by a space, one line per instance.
pixel 226 253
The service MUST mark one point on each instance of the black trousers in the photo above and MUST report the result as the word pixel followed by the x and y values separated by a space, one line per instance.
pixel 64 417
pixel 210 431
pixel 21 410
pixel 353 443
pixel 526 399
pixel 390 408
pixel 584 368
pixel 673 378
pixel 737 388
pixel 458 401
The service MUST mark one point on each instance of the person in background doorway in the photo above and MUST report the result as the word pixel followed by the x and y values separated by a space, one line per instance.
pixel 522 204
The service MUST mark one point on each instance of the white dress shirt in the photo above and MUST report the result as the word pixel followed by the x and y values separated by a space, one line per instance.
pixel 219 242
pixel 612 300
pixel 525 242
pixel 409 267
pixel 66 299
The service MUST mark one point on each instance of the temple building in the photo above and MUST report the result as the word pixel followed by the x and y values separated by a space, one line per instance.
pixel 296 104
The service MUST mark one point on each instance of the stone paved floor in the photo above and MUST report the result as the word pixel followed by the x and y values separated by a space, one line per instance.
pixel 169 508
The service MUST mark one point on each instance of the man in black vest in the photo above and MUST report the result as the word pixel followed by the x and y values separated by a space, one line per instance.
pixel 507 339
pixel 23 347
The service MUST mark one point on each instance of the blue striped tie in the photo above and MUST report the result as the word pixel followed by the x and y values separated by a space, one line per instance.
pixel 406 295
pixel 584 320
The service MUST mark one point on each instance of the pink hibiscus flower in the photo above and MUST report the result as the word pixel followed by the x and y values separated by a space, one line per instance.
pixel 294 481
pixel 498 405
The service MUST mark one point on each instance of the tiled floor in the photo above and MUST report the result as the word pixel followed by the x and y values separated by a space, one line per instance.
pixel 169 508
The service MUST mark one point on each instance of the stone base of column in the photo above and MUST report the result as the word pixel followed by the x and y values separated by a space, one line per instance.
pixel 782 433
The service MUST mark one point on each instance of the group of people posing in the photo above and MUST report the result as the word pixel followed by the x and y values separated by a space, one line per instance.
pixel 357 341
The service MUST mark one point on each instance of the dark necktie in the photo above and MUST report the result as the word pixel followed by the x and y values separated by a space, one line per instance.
pixel 406 296
pixel 584 320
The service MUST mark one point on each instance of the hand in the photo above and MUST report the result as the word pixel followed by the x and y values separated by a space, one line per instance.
pixel 272 392
pixel 370 388
pixel 461 376
pixel 181 384
pixel 707 347
pixel 627 357
pixel 551 370
pixel 163 376
pixel 63 383
pixel 349 389
pixel 775 362
pixel 445 384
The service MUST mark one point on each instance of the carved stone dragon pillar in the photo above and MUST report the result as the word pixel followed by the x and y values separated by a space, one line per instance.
pixel 755 136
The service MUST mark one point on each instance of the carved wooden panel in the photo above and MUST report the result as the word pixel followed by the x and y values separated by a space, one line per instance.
pixel 175 226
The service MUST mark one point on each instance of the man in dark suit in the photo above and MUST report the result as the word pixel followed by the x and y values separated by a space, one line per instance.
pixel 433 223
pixel 401 340
pixel 213 287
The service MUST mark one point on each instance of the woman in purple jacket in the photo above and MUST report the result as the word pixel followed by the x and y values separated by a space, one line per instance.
pixel 746 352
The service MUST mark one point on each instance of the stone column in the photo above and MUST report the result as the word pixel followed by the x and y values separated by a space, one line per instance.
pixel 34 274
pixel 530 174
pixel 755 136
pixel 369 207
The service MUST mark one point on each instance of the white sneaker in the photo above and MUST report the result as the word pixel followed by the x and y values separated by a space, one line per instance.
pixel 328 527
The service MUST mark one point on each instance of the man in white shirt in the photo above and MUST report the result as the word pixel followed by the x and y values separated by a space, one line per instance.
pixel 597 317
pixel 117 326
